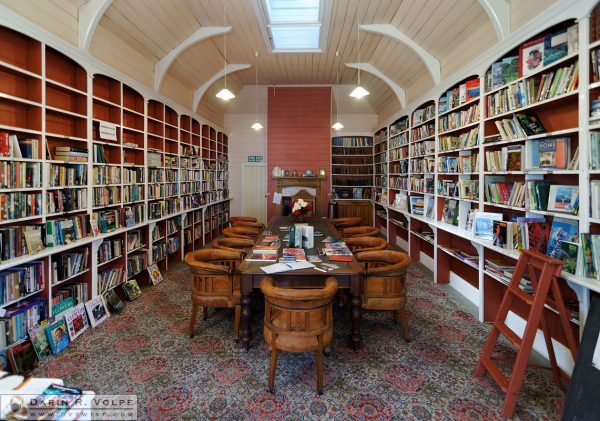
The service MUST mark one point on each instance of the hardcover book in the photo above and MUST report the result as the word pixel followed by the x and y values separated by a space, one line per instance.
pixel 154 273
pixel 530 123
pixel 555 47
pixel 76 321
pixel 23 359
pixel 561 230
pixel 531 56
pixel 96 310
pixel 562 198
pixel 39 340
pixel 500 233
pixel 115 303
pixel 132 290
pixel 57 335
pixel 262 257
pixel 483 224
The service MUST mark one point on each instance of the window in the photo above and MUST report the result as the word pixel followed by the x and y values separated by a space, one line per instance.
pixel 294 25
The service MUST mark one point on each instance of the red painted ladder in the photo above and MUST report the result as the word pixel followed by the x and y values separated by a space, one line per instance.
pixel 543 273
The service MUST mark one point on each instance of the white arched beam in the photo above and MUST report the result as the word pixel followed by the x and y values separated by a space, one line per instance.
pixel 161 68
pixel 432 63
pixel 201 90
pixel 90 14
pixel 367 67
pixel 499 13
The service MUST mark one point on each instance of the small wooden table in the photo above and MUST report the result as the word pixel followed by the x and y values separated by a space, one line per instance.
pixel 348 276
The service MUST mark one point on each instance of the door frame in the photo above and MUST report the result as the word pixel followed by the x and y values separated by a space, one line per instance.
pixel 254 164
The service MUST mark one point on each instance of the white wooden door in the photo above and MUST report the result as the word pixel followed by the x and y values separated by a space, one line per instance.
pixel 254 191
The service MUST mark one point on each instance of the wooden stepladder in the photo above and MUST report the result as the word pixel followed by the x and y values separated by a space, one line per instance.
pixel 543 273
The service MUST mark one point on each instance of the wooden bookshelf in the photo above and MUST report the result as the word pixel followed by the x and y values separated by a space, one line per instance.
pixel 87 139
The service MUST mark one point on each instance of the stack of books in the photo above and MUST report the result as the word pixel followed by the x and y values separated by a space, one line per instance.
pixel 338 252
pixel 291 254
pixel 266 250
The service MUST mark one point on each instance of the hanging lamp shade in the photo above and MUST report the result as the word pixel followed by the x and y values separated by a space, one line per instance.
pixel 359 92
pixel 257 126
pixel 225 94
pixel 337 126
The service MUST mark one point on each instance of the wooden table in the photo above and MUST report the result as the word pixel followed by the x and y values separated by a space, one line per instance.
pixel 348 276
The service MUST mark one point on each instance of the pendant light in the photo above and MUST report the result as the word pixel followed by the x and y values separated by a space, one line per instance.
pixel 337 125
pixel 256 126
pixel 225 94
pixel 359 91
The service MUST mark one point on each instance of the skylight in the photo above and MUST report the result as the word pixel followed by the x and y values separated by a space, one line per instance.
pixel 294 25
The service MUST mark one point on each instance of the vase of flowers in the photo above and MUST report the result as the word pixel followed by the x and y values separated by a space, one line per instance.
pixel 300 209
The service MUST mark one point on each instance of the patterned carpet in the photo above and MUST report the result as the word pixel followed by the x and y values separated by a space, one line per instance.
pixel 146 351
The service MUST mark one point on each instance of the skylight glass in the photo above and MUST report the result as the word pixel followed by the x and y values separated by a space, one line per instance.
pixel 295 37
pixel 294 25
pixel 296 11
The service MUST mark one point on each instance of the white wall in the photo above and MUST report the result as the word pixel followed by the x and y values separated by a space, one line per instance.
pixel 356 124
pixel 243 140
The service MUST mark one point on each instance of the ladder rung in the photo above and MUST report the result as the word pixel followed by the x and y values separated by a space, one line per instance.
pixel 522 295
pixel 511 335
pixel 495 372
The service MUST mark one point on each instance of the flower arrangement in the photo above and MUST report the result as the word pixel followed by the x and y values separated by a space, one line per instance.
pixel 301 207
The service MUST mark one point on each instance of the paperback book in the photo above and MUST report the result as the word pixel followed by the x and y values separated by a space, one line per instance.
pixel 96 310
pixel 57 335
pixel 76 321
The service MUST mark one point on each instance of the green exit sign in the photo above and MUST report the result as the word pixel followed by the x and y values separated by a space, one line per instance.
pixel 255 158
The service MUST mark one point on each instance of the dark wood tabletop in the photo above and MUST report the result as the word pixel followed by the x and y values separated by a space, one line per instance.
pixel 348 276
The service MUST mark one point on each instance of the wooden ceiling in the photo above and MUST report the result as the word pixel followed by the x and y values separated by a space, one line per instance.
pixel 133 35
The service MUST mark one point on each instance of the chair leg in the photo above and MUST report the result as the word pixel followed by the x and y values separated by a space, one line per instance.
pixel 400 316
pixel 273 365
pixel 204 313
pixel 193 319
pixel 236 322
pixel 319 364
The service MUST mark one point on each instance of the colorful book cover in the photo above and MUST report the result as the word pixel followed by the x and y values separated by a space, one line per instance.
pixel 531 56
pixel 23 358
pixel 500 234
pixel 562 198
pixel 510 69
pixel 567 253
pixel 76 321
pixel 588 258
pixel 154 273
pixel 132 289
pixel 57 335
pixel 62 306
pixel 555 47
pixel 514 154
pixel 497 75
pixel 262 257
pixel 96 310
pixel 37 335
pixel 537 236
pixel 561 230
pixel 472 89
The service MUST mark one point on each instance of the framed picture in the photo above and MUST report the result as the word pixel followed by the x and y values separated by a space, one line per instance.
pixel 562 198
pixel 155 275
pixel 76 321
pixel 96 310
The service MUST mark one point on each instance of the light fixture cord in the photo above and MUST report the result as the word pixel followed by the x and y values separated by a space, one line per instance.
pixel 358 37
pixel 225 43
pixel 256 86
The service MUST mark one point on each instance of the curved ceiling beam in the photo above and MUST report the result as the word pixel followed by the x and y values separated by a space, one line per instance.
pixel 367 67
pixel 199 93
pixel 161 68
pixel 90 14
pixel 432 63
pixel 499 13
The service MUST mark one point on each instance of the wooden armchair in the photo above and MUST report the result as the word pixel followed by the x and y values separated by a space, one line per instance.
pixel 233 219
pixel 298 320
pixel 233 244
pixel 384 283
pixel 214 282
pixel 241 232
pixel 341 223
pixel 255 225
pixel 362 231
pixel 356 244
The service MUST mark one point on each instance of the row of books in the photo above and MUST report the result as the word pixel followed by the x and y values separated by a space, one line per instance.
pixel 462 94
pixel 498 191
pixel 509 158
pixel 12 147
pixel 133 193
pixel 66 265
pixel 136 263
pixel 106 196
pixel 106 175
pixel 595 151
pixel 19 174
pixel 109 250
pixel 422 148
pixel 16 205
pixel 77 292
pixel 423 114
pixel 21 280
pixel 422 132
pixel 352 151
pixel 66 200
pixel 464 140
pixel 63 176
pixel 354 141
pixel 133 175
pixel 398 141
pixel 18 319
pixel 109 278
pixel 520 126
pixel 529 91
pixel 458 119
